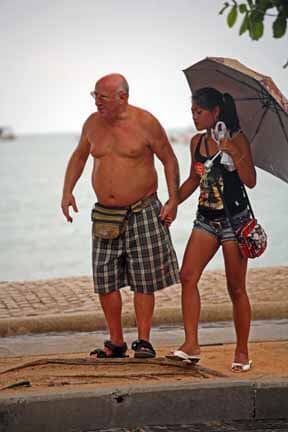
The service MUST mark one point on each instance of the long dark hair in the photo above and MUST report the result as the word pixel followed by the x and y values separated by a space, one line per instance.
pixel 209 97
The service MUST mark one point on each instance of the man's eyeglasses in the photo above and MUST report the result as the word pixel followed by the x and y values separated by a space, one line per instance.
pixel 99 96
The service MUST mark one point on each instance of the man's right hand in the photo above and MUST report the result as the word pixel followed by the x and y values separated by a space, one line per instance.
pixel 168 212
pixel 67 201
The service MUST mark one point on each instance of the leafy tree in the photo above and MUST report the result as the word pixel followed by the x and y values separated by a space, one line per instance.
pixel 254 12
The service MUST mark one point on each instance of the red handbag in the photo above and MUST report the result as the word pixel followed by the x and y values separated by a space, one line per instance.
pixel 252 239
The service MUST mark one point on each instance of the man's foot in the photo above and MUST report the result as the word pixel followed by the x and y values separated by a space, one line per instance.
pixel 110 351
pixel 143 349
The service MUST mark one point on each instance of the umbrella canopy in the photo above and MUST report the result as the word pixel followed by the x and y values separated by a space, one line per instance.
pixel 262 108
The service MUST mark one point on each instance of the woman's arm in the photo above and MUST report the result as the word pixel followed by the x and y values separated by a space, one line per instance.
pixel 192 182
pixel 240 150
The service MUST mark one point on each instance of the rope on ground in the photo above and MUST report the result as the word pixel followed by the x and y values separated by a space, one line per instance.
pixel 161 361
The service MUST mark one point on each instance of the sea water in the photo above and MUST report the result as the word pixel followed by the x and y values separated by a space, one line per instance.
pixel 36 242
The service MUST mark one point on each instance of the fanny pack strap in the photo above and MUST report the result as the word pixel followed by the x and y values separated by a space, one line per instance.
pixel 139 205
pixel 108 214
pixel 120 212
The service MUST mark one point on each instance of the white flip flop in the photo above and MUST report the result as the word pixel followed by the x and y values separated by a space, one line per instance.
pixel 241 367
pixel 181 355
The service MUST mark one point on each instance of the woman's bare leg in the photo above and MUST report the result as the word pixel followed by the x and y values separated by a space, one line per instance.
pixel 201 247
pixel 236 269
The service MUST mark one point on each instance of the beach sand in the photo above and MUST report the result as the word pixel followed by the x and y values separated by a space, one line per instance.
pixel 56 373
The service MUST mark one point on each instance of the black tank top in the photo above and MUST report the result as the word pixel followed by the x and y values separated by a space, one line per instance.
pixel 210 202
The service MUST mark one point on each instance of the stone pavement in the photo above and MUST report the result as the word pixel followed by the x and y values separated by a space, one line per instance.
pixel 65 304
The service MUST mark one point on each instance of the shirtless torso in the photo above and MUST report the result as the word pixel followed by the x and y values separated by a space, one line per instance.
pixel 123 169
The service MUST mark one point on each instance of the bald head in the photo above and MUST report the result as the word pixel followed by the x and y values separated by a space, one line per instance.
pixel 115 82
pixel 111 96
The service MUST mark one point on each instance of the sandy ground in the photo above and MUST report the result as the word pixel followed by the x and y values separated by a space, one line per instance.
pixel 55 373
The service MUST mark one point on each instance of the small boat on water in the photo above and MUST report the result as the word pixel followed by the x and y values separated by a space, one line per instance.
pixel 6 132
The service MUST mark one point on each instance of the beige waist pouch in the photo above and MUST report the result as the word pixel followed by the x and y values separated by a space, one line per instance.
pixel 108 222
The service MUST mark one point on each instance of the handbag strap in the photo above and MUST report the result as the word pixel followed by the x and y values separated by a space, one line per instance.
pixel 228 214
pixel 226 209
pixel 248 201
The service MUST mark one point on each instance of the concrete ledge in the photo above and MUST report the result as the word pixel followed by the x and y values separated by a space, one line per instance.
pixel 271 399
pixel 138 406
pixel 91 321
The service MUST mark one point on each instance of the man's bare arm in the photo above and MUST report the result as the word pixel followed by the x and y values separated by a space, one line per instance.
pixel 74 170
pixel 162 148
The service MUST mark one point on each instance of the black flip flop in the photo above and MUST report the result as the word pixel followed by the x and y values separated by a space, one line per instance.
pixel 143 349
pixel 116 351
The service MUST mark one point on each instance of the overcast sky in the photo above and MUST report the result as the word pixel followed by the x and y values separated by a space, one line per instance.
pixel 52 52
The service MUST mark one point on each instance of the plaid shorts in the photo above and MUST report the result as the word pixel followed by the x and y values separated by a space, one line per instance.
pixel 142 257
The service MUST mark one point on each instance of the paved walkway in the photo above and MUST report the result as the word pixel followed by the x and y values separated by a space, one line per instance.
pixel 70 303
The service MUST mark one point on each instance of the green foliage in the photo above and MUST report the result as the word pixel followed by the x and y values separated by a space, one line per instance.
pixel 254 12
pixel 232 16
pixel 279 26
pixel 245 25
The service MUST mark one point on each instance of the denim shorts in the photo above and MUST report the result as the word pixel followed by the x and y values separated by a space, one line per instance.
pixel 221 228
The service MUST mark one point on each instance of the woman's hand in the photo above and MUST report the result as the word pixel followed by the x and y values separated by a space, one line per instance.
pixel 228 146
pixel 168 212
pixel 240 150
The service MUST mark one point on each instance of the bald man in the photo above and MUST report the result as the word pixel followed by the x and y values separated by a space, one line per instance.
pixel 122 140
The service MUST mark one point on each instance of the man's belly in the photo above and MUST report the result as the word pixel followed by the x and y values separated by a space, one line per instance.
pixel 124 187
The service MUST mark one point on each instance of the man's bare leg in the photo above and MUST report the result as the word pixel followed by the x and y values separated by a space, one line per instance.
pixel 112 307
pixel 144 308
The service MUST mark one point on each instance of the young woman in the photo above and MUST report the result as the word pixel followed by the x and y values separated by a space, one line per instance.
pixel 212 228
